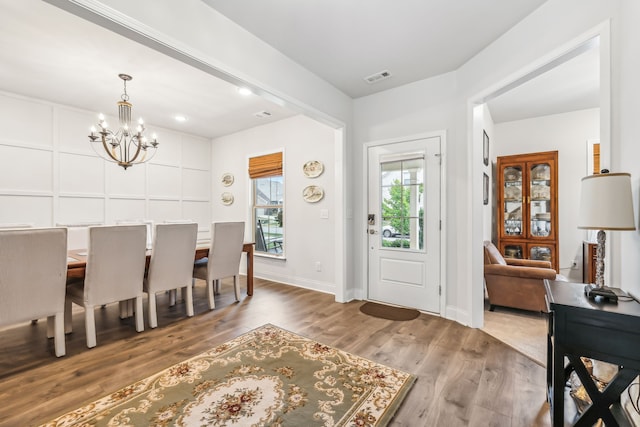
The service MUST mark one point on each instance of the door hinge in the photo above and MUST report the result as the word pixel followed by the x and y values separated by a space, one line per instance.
pixel 439 290
pixel 440 224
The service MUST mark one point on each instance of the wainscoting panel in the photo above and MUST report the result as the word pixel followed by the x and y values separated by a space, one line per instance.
pixel 33 210
pixel 164 181
pixel 196 184
pixel 26 122
pixel 50 174
pixel 74 129
pixel 196 153
pixel 25 169
pixel 200 213
pixel 81 174
pixel 126 209
pixel 129 182
pixel 80 210
pixel 162 210
pixel 168 152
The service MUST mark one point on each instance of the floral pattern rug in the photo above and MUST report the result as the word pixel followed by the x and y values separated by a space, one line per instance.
pixel 266 377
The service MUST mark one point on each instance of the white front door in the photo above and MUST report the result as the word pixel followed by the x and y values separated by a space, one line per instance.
pixel 404 223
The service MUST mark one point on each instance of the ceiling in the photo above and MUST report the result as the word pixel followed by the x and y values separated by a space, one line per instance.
pixel 344 41
pixel 50 54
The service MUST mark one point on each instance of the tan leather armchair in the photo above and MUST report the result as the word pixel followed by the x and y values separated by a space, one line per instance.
pixel 516 283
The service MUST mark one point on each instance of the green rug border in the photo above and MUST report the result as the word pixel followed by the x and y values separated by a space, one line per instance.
pixel 383 421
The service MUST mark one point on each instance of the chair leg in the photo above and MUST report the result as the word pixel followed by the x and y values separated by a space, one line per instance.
pixel 50 327
pixel 210 285
pixel 58 334
pixel 189 301
pixel 90 325
pixel 236 286
pixel 123 309
pixel 68 328
pixel 153 315
pixel 139 314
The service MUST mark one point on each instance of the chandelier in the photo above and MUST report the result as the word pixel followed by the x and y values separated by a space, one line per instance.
pixel 126 147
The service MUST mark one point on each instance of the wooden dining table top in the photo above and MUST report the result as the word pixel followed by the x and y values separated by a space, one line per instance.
pixel 77 261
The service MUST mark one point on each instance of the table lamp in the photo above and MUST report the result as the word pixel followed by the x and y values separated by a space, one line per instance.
pixel 606 203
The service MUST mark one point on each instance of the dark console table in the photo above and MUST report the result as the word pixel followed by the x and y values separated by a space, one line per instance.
pixel 601 331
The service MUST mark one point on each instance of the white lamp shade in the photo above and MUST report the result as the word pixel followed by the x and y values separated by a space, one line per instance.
pixel 606 202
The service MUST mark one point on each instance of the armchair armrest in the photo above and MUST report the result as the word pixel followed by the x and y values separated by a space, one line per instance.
pixel 519 271
pixel 528 262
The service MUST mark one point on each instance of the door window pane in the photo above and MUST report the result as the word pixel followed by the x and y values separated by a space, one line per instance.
pixel 402 204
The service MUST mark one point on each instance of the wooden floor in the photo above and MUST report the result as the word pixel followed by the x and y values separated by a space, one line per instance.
pixel 465 377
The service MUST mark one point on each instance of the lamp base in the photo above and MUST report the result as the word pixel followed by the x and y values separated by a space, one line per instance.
pixel 605 293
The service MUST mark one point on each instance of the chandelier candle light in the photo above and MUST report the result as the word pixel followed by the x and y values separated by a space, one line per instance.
pixel 124 147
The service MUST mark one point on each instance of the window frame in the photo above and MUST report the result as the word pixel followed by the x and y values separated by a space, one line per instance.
pixel 281 206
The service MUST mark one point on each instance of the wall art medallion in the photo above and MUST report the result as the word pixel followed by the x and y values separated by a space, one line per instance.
pixel 227 179
pixel 313 169
pixel 227 198
pixel 312 194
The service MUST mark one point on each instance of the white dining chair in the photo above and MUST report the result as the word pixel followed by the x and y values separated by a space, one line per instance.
pixel 15 225
pixel 33 273
pixel 116 258
pixel 224 257
pixel 147 222
pixel 77 234
pixel 171 264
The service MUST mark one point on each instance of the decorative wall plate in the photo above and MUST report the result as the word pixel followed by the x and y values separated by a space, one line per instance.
pixel 227 179
pixel 313 169
pixel 227 199
pixel 312 194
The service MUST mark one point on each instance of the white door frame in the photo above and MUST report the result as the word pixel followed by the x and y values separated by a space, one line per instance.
pixel 364 236
pixel 475 273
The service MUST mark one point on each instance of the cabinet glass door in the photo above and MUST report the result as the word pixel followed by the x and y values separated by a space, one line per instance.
pixel 540 253
pixel 540 200
pixel 513 251
pixel 513 202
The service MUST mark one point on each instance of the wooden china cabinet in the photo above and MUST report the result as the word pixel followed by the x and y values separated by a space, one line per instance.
pixel 527 204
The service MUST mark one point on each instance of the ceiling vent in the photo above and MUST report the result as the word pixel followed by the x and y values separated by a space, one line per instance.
pixel 375 78
pixel 262 114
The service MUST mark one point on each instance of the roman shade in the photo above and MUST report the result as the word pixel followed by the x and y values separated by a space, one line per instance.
pixel 264 166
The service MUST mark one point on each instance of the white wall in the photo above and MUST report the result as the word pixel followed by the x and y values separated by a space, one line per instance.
pixel 49 174
pixel 308 237
pixel 568 134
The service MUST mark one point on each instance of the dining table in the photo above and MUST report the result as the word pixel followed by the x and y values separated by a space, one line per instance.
pixel 77 261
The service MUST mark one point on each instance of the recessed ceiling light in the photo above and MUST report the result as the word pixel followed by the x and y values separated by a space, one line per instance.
pixel 180 119
pixel 244 91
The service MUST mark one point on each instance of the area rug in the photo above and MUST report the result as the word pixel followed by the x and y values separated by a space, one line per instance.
pixel 388 312
pixel 266 377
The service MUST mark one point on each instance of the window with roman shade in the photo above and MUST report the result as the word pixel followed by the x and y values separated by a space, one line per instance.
pixel 268 203
pixel 264 166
